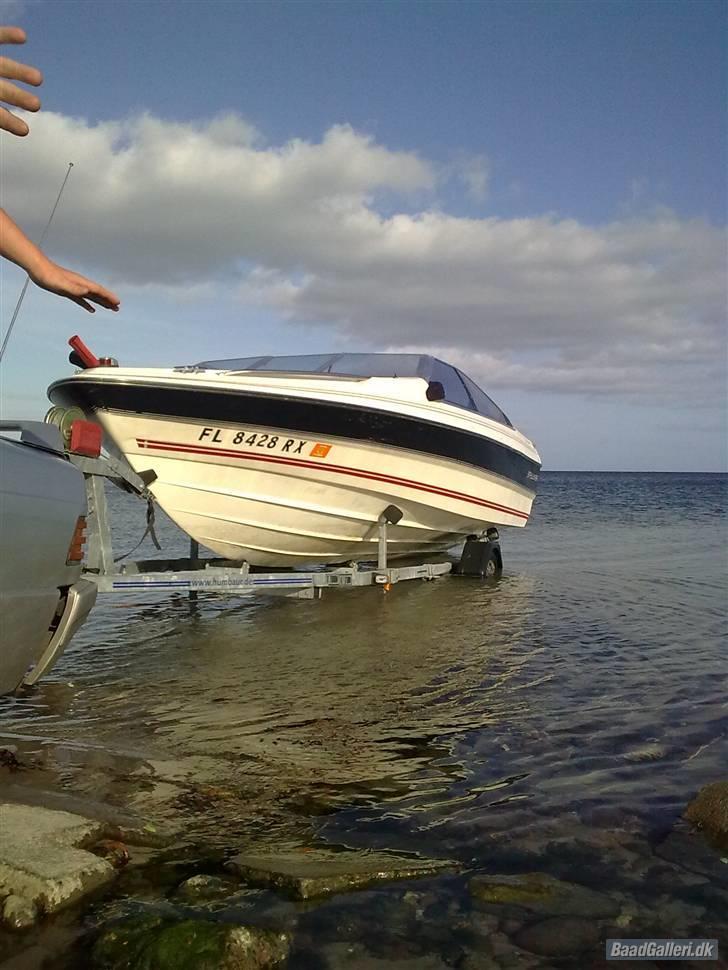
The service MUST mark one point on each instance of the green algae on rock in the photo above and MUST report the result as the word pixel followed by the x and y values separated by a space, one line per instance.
pixel 155 943
pixel 541 893
pixel 709 812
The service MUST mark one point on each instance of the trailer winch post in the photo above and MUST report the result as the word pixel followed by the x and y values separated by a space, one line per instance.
pixel 194 564
pixel 390 516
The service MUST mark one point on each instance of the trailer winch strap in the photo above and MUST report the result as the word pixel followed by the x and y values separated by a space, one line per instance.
pixel 149 531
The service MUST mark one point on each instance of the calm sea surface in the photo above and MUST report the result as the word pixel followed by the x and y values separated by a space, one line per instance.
pixel 466 720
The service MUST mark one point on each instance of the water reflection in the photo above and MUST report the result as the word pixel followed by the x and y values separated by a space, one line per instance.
pixel 591 673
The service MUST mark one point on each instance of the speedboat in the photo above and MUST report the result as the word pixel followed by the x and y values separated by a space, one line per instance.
pixel 286 461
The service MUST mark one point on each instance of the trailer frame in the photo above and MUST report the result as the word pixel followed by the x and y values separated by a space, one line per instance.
pixel 194 574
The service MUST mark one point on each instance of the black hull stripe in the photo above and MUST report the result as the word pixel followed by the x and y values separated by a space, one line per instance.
pixel 305 416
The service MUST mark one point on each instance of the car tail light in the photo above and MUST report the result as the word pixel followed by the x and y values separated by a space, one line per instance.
pixel 75 550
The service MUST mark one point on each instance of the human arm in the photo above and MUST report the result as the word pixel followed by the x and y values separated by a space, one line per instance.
pixel 10 93
pixel 15 246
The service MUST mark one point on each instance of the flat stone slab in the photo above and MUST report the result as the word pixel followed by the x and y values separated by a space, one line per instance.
pixel 305 874
pixel 118 824
pixel 40 860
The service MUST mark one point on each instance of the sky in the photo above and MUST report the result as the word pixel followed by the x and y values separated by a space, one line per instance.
pixel 535 192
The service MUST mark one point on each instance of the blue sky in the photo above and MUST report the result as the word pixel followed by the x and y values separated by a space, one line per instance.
pixel 534 190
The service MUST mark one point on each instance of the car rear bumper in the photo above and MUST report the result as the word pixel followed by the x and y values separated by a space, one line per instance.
pixel 80 599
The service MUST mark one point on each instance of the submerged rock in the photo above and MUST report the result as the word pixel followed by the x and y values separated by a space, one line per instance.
pixel 153 943
pixel 499 951
pixel 615 819
pixel 19 913
pixel 648 752
pixel 305 874
pixel 204 887
pixel 9 758
pixel 354 956
pixel 694 855
pixel 709 812
pixel 541 893
pixel 559 936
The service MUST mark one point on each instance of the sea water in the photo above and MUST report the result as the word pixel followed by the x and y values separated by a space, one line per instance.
pixel 506 725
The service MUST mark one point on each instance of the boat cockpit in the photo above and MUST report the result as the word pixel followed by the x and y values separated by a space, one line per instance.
pixel 457 388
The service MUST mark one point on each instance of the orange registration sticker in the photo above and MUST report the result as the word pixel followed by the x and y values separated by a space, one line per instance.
pixel 320 451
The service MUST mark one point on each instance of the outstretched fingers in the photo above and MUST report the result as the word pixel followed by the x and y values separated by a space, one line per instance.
pixel 12 35
pixel 10 93
pixel 85 292
pixel 64 282
pixel 15 71
pixel 13 124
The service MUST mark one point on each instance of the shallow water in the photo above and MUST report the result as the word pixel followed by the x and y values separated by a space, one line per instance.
pixel 464 720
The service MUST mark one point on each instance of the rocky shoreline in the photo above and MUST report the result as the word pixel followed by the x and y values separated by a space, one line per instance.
pixel 108 890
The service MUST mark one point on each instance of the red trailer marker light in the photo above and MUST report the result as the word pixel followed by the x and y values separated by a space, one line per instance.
pixel 85 439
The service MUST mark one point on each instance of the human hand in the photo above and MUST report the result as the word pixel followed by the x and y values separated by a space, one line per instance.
pixel 11 93
pixel 54 278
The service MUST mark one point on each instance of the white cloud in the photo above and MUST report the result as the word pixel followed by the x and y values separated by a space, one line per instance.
pixel 307 227
pixel 678 376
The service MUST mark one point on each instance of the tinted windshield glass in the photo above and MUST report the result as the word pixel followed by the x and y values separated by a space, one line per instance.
pixel 348 365
pixel 378 365
pixel 455 392
pixel 459 389
pixel 235 363
pixel 483 404
pixel 306 363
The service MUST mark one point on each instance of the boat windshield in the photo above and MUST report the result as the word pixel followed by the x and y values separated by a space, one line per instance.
pixel 345 365
pixel 459 389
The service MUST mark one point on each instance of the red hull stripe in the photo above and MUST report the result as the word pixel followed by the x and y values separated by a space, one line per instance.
pixel 151 445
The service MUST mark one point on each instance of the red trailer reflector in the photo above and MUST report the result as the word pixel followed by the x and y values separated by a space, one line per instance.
pixel 86 439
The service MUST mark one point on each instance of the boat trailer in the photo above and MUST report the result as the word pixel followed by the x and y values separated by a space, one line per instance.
pixel 195 574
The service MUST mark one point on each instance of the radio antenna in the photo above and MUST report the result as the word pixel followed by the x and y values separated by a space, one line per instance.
pixel 16 311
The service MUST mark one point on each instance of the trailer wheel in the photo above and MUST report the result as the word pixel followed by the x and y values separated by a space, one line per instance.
pixel 481 560
pixel 494 563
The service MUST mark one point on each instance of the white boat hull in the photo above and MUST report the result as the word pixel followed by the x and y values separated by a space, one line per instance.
pixel 247 497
